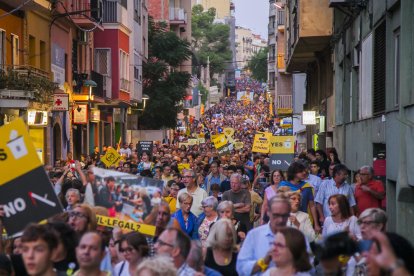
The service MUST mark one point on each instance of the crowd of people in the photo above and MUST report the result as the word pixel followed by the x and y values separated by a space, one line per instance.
pixel 214 215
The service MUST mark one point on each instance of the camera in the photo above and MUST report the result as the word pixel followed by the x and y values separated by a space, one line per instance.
pixel 335 245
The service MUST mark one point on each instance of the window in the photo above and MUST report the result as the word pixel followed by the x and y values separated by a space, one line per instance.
pixel 124 70
pixel 136 73
pixel 43 55
pixel 365 87
pixel 137 11
pixel 32 50
pixel 15 49
pixel 397 68
pixel 2 48
pixel 379 69
pixel 103 61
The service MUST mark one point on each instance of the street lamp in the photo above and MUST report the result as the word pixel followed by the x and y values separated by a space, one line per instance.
pixel 145 98
pixel 90 84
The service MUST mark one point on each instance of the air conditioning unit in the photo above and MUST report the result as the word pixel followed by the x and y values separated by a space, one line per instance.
pixel 339 3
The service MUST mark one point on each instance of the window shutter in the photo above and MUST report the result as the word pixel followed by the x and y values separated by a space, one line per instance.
pixel 379 68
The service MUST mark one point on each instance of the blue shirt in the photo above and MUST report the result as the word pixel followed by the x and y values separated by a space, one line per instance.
pixel 327 189
pixel 211 272
pixel 256 245
pixel 307 193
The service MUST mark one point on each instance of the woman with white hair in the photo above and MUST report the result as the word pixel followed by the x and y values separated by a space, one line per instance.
pixel 226 210
pixel 184 218
pixel 207 218
pixel 221 249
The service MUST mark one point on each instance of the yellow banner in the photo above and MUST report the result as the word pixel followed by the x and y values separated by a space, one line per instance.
pixel 127 225
pixel 261 142
pixel 17 153
pixel 220 141
pixel 111 158
pixel 282 144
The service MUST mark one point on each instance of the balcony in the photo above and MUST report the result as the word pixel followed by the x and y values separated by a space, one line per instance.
pixel 87 12
pixel 284 101
pixel 114 12
pixel 178 16
pixel 25 82
pixel 308 32
pixel 38 5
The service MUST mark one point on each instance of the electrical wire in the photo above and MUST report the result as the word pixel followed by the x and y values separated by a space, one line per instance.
pixel 15 9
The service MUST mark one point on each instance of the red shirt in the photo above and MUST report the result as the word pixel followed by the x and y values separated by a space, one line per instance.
pixel 365 199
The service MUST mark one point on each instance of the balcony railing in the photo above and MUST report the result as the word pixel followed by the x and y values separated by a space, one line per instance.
pixel 81 5
pixel 114 12
pixel 284 101
pixel 124 84
pixel 178 15
pixel 280 17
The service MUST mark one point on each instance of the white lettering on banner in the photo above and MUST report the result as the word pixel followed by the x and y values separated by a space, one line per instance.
pixel 276 162
pixel 11 208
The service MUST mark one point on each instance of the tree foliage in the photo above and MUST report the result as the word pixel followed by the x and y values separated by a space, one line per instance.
pixel 209 40
pixel 258 65
pixel 165 86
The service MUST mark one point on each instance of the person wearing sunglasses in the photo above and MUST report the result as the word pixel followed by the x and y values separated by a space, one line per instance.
pixel 82 219
pixel 134 248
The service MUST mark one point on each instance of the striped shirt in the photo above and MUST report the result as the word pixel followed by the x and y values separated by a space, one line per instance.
pixel 327 189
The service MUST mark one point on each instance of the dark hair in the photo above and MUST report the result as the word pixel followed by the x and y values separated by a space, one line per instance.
pixel 67 236
pixel 35 232
pixel 296 243
pixel 182 241
pixel 232 168
pixel 256 157
pixel 403 250
pixel 110 178
pixel 215 187
pixel 146 173
pixel 338 169
pixel 281 175
pixel 311 151
pixel 5 264
pixel 265 168
pixel 293 169
pixel 343 205
pixel 242 169
pixel 137 241
pixel 335 154
pixel 315 162
pixel 321 153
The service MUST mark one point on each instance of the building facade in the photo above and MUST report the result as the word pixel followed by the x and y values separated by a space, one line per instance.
pixel 374 113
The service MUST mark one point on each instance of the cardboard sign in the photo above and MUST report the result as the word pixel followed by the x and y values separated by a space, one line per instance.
pixel 238 145
pixel 229 132
pixel 127 225
pixel 226 149
pixel 261 142
pixel 192 142
pixel 80 114
pixel 220 141
pixel 281 161
pixel 111 158
pixel 282 144
pixel 145 146
pixel 25 190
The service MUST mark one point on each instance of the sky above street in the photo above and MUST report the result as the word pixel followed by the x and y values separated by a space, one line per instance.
pixel 253 14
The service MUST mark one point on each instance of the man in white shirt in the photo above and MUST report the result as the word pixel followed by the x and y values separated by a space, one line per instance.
pixel 191 188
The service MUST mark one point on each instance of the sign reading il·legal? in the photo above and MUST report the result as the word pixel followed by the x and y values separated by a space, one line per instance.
pixel 25 190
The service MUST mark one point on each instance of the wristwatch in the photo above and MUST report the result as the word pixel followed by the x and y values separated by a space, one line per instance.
pixel 396 265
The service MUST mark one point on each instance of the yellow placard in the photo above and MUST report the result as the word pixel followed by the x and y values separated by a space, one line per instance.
pixel 127 225
pixel 285 111
pixel 214 136
pixel 238 145
pixel 220 141
pixel 182 167
pixel 111 158
pixel 228 131
pixel 282 144
pixel 261 142
pixel 17 153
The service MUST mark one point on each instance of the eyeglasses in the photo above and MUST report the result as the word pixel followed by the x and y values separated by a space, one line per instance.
pixel 279 245
pixel 126 250
pixel 205 206
pixel 163 243
pixel 187 176
pixel 75 214
pixel 366 222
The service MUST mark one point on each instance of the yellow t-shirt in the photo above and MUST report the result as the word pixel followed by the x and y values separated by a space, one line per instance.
pixel 172 202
